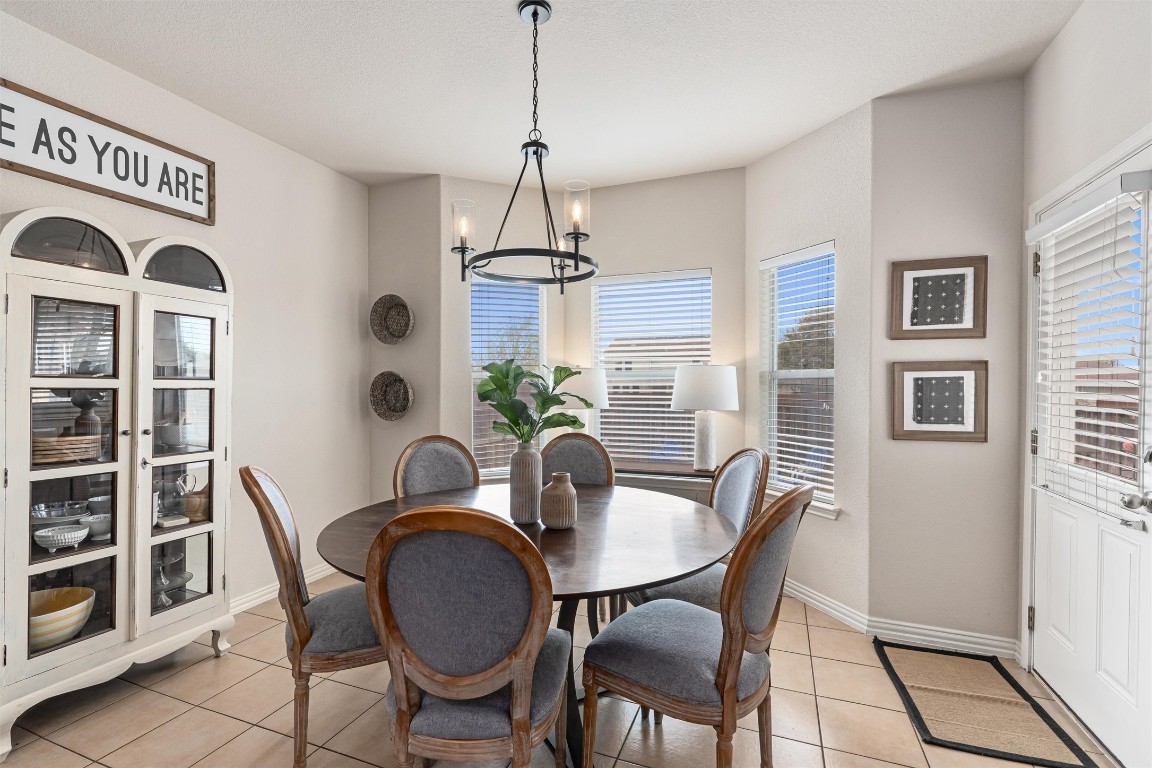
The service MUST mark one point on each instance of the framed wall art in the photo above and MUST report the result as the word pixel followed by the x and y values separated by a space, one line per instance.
pixel 939 298
pixel 940 400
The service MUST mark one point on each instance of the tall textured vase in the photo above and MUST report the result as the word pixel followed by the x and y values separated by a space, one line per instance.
pixel 524 479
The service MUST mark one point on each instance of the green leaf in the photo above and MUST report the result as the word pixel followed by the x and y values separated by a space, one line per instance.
pixel 505 429
pixel 561 374
pixel 546 401
pixel 561 420
pixel 515 411
pixel 586 403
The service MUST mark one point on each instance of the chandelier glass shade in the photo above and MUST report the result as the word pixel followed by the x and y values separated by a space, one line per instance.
pixel 557 265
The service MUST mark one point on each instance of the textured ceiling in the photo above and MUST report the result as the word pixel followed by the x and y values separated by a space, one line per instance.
pixel 630 90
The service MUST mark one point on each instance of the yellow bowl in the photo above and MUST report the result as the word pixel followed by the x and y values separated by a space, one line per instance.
pixel 57 615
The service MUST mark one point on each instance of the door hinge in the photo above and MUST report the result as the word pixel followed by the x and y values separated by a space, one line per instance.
pixel 1036 264
pixel 224 581
pixel 5 477
pixel 225 453
pixel 1035 442
pixel 5 656
pixel 1031 618
pixel 227 327
pixel 5 303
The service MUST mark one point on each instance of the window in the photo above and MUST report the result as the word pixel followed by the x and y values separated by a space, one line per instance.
pixel 643 326
pixel 797 367
pixel 1090 353
pixel 507 323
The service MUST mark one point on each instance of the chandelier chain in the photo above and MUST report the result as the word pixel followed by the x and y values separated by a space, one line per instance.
pixel 534 134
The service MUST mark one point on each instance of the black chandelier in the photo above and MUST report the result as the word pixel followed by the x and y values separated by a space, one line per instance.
pixel 564 266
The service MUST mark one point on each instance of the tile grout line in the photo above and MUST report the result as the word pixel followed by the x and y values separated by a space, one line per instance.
pixel 98 759
pixel 815 692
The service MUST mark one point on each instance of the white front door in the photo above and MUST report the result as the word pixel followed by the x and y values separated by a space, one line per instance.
pixel 1092 565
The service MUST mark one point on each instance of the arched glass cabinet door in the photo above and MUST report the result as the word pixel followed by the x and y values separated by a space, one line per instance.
pixel 71 243
pixel 185 265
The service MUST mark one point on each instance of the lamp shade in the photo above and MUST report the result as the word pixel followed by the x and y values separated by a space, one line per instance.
pixel 591 384
pixel 705 388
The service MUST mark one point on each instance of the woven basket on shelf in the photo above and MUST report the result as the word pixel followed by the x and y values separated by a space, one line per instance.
pixel 55 450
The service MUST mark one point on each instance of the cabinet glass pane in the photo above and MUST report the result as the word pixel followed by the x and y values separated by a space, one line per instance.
pixel 71 502
pixel 69 242
pixel 181 571
pixel 73 426
pixel 181 495
pixel 68 605
pixel 184 265
pixel 183 347
pixel 73 338
pixel 181 421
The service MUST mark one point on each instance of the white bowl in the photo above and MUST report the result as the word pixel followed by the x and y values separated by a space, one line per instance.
pixel 60 536
pixel 99 526
pixel 57 615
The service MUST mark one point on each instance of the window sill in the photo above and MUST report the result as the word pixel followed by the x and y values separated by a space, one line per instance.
pixel 817 507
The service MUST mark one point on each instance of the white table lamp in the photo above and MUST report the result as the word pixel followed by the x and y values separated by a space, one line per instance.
pixel 705 389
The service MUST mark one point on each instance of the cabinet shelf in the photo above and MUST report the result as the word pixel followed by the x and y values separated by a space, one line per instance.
pixel 41 555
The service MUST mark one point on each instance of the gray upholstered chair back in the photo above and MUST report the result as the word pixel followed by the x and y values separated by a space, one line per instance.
pixel 765 581
pixel 461 601
pixel 434 463
pixel 580 455
pixel 738 490
pixel 283 540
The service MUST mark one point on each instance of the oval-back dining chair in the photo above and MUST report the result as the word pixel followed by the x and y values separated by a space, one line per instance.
pixel 434 463
pixel 695 664
pixel 586 459
pixel 738 494
pixel 464 599
pixel 326 633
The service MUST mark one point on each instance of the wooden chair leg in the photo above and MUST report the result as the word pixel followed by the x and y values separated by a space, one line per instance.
pixel 764 716
pixel 590 701
pixel 602 609
pixel 643 712
pixel 658 718
pixel 300 730
pixel 562 729
pixel 723 749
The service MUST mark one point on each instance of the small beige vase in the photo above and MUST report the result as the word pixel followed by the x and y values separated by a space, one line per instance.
pixel 524 480
pixel 558 502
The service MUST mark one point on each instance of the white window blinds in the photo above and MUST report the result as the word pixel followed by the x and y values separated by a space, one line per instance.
pixel 643 326
pixel 1091 353
pixel 508 322
pixel 797 367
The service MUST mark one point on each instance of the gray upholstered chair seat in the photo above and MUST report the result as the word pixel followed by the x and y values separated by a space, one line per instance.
pixel 339 622
pixel 703 589
pixel 672 647
pixel 487 716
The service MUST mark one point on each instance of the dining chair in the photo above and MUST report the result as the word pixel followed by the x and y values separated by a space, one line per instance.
pixel 434 463
pixel 477 673
pixel 586 459
pixel 695 664
pixel 326 633
pixel 737 493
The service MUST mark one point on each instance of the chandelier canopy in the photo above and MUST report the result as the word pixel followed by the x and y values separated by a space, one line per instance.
pixel 563 266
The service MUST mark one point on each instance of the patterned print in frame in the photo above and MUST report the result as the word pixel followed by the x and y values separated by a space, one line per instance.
pixel 940 400
pixel 939 298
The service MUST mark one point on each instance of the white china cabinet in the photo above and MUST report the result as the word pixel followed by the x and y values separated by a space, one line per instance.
pixel 116 390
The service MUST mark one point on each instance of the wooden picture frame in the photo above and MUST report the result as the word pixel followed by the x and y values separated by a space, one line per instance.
pixel 959 388
pixel 912 316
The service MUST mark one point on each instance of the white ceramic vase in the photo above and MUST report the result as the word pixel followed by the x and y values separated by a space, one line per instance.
pixel 558 502
pixel 524 476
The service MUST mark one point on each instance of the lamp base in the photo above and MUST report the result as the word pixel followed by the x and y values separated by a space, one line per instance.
pixel 704 458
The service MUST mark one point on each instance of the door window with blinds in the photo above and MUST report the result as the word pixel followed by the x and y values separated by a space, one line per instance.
pixel 1091 357
pixel 643 326
pixel 508 322
pixel 798 367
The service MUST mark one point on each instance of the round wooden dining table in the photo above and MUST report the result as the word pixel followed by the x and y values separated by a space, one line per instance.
pixel 624 540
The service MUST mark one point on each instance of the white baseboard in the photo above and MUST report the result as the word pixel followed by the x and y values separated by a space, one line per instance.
pixel 244 602
pixel 903 631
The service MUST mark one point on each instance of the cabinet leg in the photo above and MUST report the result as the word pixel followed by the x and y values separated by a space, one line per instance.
pixel 220 644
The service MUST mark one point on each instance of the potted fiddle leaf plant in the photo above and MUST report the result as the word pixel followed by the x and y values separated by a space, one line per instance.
pixel 524 421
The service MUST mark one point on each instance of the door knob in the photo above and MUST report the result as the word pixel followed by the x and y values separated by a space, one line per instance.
pixel 126 432
pixel 146 432
pixel 1136 500
pixel 144 463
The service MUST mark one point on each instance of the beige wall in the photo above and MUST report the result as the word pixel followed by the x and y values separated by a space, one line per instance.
pixel 293 235
pixel 947 170
pixel 686 222
pixel 815 190
pixel 1090 90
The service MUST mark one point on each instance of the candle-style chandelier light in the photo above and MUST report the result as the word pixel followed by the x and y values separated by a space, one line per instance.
pixel 563 266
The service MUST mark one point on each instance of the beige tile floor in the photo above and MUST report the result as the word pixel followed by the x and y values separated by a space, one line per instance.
pixel 833 707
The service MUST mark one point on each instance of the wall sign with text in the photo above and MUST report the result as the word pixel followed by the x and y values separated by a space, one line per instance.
pixel 46 138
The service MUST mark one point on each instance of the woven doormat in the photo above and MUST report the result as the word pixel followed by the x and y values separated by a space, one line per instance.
pixel 971 703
